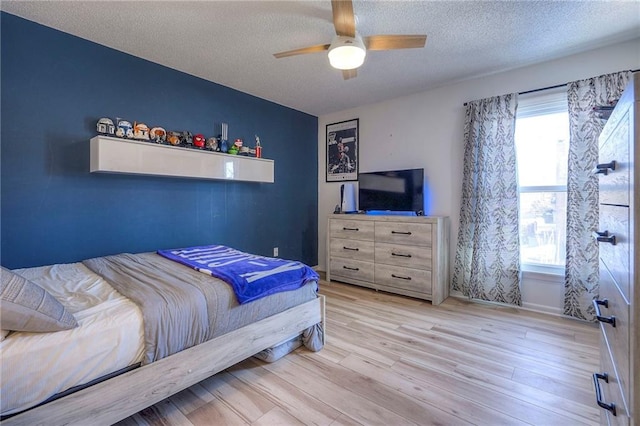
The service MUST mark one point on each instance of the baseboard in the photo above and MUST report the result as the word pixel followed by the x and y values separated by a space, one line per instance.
pixel 532 307
pixel 543 309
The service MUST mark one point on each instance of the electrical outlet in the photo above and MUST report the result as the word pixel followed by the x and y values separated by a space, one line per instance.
pixel 275 252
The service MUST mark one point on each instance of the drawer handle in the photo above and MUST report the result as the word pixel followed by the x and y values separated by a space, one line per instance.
pixel 350 248
pixel 604 376
pixel 604 237
pixel 401 232
pixel 401 277
pixel 344 228
pixel 351 269
pixel 596 304
pixel 400 255
pixel 604 168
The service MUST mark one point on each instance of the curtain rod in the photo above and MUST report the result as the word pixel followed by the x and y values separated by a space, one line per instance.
pixel 542 88
pixel 545 88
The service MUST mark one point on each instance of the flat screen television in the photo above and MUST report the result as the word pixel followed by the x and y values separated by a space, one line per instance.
pixel 392 190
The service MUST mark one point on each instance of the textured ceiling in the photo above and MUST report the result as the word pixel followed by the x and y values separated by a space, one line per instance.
pixel 232 42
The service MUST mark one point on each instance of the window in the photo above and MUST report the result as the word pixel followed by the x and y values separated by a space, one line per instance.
pixel 542 145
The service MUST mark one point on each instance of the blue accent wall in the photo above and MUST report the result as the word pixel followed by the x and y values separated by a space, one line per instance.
pixel 55 87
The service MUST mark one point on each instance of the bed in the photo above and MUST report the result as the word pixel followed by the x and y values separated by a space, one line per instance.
pixel 203 331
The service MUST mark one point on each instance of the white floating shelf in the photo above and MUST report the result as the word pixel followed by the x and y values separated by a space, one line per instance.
pixel 115 155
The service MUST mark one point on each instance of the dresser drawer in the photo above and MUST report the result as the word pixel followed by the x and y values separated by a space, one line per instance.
pixel 352 269
pixel 614 186
pixel 611 392
pixel 351 229
pixel 615 220
pixel 352 249
pixel 403 278
pixel 618 336
pixel 418 234
pixel 417 257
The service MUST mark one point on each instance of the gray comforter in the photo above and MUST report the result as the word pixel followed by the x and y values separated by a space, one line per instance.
pixel 182 307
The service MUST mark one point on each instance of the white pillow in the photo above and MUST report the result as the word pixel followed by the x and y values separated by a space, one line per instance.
pixel 25 306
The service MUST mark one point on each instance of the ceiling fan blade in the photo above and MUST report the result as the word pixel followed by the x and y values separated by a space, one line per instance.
pixel 302 51
pixel 343 18
pixel 389 42
pixel 347 74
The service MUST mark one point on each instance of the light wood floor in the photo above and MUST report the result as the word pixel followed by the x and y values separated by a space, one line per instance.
pixel 393 360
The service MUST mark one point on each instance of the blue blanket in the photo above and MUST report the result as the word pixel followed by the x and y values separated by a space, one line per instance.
pixel 251 276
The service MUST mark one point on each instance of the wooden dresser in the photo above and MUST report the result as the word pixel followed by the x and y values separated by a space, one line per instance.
pixel 400 254
pixel 616 385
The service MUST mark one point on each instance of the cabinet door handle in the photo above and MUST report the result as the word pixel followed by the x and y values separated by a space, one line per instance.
pixel 604 168
pixel 351 269
pixel 604 237
pixel 400 255
pixel 401 277
pixel 350 248
pixel 596 304
pixel 344 228
pixel 604 376
pixel 401 232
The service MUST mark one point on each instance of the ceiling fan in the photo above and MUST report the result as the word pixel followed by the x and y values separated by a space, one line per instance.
pixel 348 49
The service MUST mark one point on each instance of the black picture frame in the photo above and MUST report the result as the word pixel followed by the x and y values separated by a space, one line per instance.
pixel 342 151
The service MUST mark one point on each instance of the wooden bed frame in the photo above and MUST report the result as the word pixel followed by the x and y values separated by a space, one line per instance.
pixel 121 396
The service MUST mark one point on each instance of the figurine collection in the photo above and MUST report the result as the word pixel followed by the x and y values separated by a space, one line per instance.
pixel 140 131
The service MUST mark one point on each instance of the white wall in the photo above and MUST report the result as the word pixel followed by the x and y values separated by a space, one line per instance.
pixel 426 130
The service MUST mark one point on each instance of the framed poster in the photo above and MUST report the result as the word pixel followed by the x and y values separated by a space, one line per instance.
pixel 342 151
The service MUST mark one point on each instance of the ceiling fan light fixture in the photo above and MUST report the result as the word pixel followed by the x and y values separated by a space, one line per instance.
pixel 347 53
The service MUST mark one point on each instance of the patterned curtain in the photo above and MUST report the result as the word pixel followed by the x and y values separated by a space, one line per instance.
pixel 581 271
pixel 487 262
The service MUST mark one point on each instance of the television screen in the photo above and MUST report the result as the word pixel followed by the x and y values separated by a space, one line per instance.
pixel 394 190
